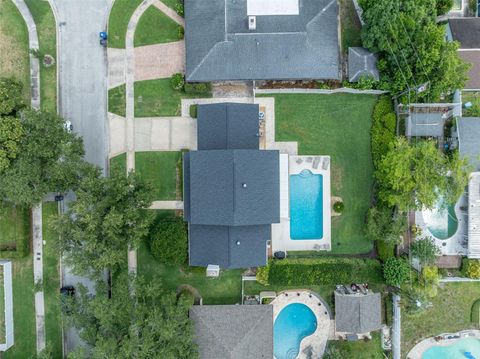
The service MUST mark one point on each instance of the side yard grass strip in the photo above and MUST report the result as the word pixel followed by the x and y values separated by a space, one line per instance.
pixel 117 101
pixel 154 27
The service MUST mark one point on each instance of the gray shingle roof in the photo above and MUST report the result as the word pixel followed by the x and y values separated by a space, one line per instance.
pixel 362 62
pixel 466 31
pixel 472 57
pixel 233 331
pixel 357 313
pixel 468 135
pixel 219 45
pixel 428 124
pixel 227 126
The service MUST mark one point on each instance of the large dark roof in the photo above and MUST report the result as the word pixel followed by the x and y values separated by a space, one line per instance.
pixel 227 126
pixel 468 137
pixel 362 62
pixel 219 45
pixel 466 31
pixel 357 313
pixel 233 331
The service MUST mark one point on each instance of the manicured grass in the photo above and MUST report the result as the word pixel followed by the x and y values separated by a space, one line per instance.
pixel 14 53
pixel 371 349
pixel 172 3
pixel 159 168
pixel 351 25
pixel 338 126
pixel 157 98
pixel 450 312
pixel 117 100
pixel 154 27
pixel 51 282
pixel 14 225
pixel 23 310
pixel 120 15
pixel 119 163
pixel 46 29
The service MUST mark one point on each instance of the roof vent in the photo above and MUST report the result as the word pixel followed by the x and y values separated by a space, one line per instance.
pixel 244 185
pixel 252 23
pixel 237 243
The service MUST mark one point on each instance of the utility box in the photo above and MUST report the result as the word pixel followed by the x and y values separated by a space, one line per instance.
pixel 252 23
pixel 213 271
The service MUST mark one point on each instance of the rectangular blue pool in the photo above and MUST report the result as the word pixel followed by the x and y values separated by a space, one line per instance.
pixel 306 206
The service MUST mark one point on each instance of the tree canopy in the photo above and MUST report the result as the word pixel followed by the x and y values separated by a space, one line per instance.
pixel 107 218
pixel 425 250
pixel 384 225
pixel 169 241
pixel 396 271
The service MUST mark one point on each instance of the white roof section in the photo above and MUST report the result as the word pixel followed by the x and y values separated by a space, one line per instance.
pixel 272 7
pixel 474 216
pixel 8 305
pixel 284 187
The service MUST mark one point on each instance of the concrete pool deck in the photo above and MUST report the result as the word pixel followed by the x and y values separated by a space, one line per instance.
pixel 419 349
pixel 315 343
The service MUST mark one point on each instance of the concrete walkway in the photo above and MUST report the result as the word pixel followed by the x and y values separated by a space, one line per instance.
pixel 37 210
pixel 174 205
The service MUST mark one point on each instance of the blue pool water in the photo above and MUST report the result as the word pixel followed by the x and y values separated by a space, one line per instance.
pixel 306 206
pixel 295 322
pixel 455 351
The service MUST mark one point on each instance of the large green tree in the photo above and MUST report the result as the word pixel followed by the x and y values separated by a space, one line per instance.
pixel 384 225
pixel 425 250
pixel 169 241
pixel 145 323
pixel 106 219
pixel 11 98
pixel 412 176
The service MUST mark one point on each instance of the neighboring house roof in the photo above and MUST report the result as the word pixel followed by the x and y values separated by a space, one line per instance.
pixel 357 313
pixel 233 331
pixel 420 124
pixel 227 126
pixel 362 62
pixel 468 137
pixel 466 31
pixel 220 46
pixel 472 57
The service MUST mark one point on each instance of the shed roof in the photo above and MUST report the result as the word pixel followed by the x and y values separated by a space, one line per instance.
pixel 233 331
pixel 468 137
pixel 357 313
pixel 472 57
pixel 466 31
pixel 425 124
pixel 362 62
pixel 220 46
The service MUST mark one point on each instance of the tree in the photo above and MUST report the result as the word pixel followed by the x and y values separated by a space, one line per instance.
pixel 169 242
pixel 107 218
pixel 444 6
pixel 11 132
pixel 48 159
pixel 471 268
pixel 425 250
pixel 152 324
pixel 384 225
pixel 396 271
pixel 11 97
pixel 413 176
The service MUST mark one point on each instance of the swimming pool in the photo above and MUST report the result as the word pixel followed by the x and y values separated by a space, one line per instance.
pixel 457 350
pixel 306 206
pixel 294 322
pixel 441 221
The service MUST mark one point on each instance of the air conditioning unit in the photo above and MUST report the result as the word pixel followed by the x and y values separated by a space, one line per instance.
pixel 252 23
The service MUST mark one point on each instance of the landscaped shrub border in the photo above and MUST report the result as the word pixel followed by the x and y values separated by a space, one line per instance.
pixel 383 128
pixel 323 271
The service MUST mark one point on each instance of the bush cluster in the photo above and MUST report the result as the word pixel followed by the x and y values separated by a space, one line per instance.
pixel 471 268
pixel 385 250
pixel 396 271
pixel 169 242
pixel 177 81
pixel 322 271
pixel 338 207
pixel 198 88
pixel 383 128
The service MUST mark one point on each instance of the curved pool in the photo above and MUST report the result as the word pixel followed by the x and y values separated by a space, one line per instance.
pixel 441 221
pixel 294 322
pixel 461 349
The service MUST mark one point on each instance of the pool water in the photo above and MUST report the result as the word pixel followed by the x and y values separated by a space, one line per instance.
pixel 306 206
pixel 294 322
pixel 455 351
pixel 441 221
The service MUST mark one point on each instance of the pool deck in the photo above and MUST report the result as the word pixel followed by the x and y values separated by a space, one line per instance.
pixel 424 345
pixel 316 343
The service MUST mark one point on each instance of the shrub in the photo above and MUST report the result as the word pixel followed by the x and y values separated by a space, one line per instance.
pixel 193 111
pixel 181 32
pixel 180 9
pixel 476 312
pixel 425 250
pixel 383 128
pixel 396 271
pixel 338 207
pixel 323 271
pixel 262 273
pixel 177 81
pixel 444 6
pixel 385 250
pixel 169 242
pixel 198 88
pixel 471 268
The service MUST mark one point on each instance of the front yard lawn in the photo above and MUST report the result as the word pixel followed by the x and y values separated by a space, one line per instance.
pixel 120 15
pixel 117 100
pixel 154 27
pixel 337 125
pixel 14 228
pixel 450 312
pixel 159 168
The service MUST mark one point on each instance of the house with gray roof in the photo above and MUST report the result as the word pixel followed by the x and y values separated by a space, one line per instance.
pixel 357 313
pixel 261 40
pixel 468 129
pixel 231 189
pixel 362 63
pixel 233 331
pixel 425 124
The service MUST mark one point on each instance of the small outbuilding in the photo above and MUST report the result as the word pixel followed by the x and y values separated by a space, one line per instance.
pixel 468 140
pixel 362 63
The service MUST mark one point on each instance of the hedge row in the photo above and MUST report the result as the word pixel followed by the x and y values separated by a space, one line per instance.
pixel 324 271
pixel 383 128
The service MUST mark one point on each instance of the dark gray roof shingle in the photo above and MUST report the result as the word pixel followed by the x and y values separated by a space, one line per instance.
pixel 362 62
pixel 233 331
pixel 466 31
pixel 469 139
pixel 357 313
pixel 219 45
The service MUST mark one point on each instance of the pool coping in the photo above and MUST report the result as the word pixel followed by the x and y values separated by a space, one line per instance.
pixel 420 348
pixel 317 340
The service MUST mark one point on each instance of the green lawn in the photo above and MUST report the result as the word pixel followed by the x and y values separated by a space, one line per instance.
pixel 159 168
pixel 359 349
pixel 120 15
pixel 117 100
pixel 350 25
pixel 119 163
pixel 451 312
pixel 45 21
pixel 51 282
pixel 15 226
pixel 172 3
pixel 14 53
pixel 154 27
pixel 339 126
